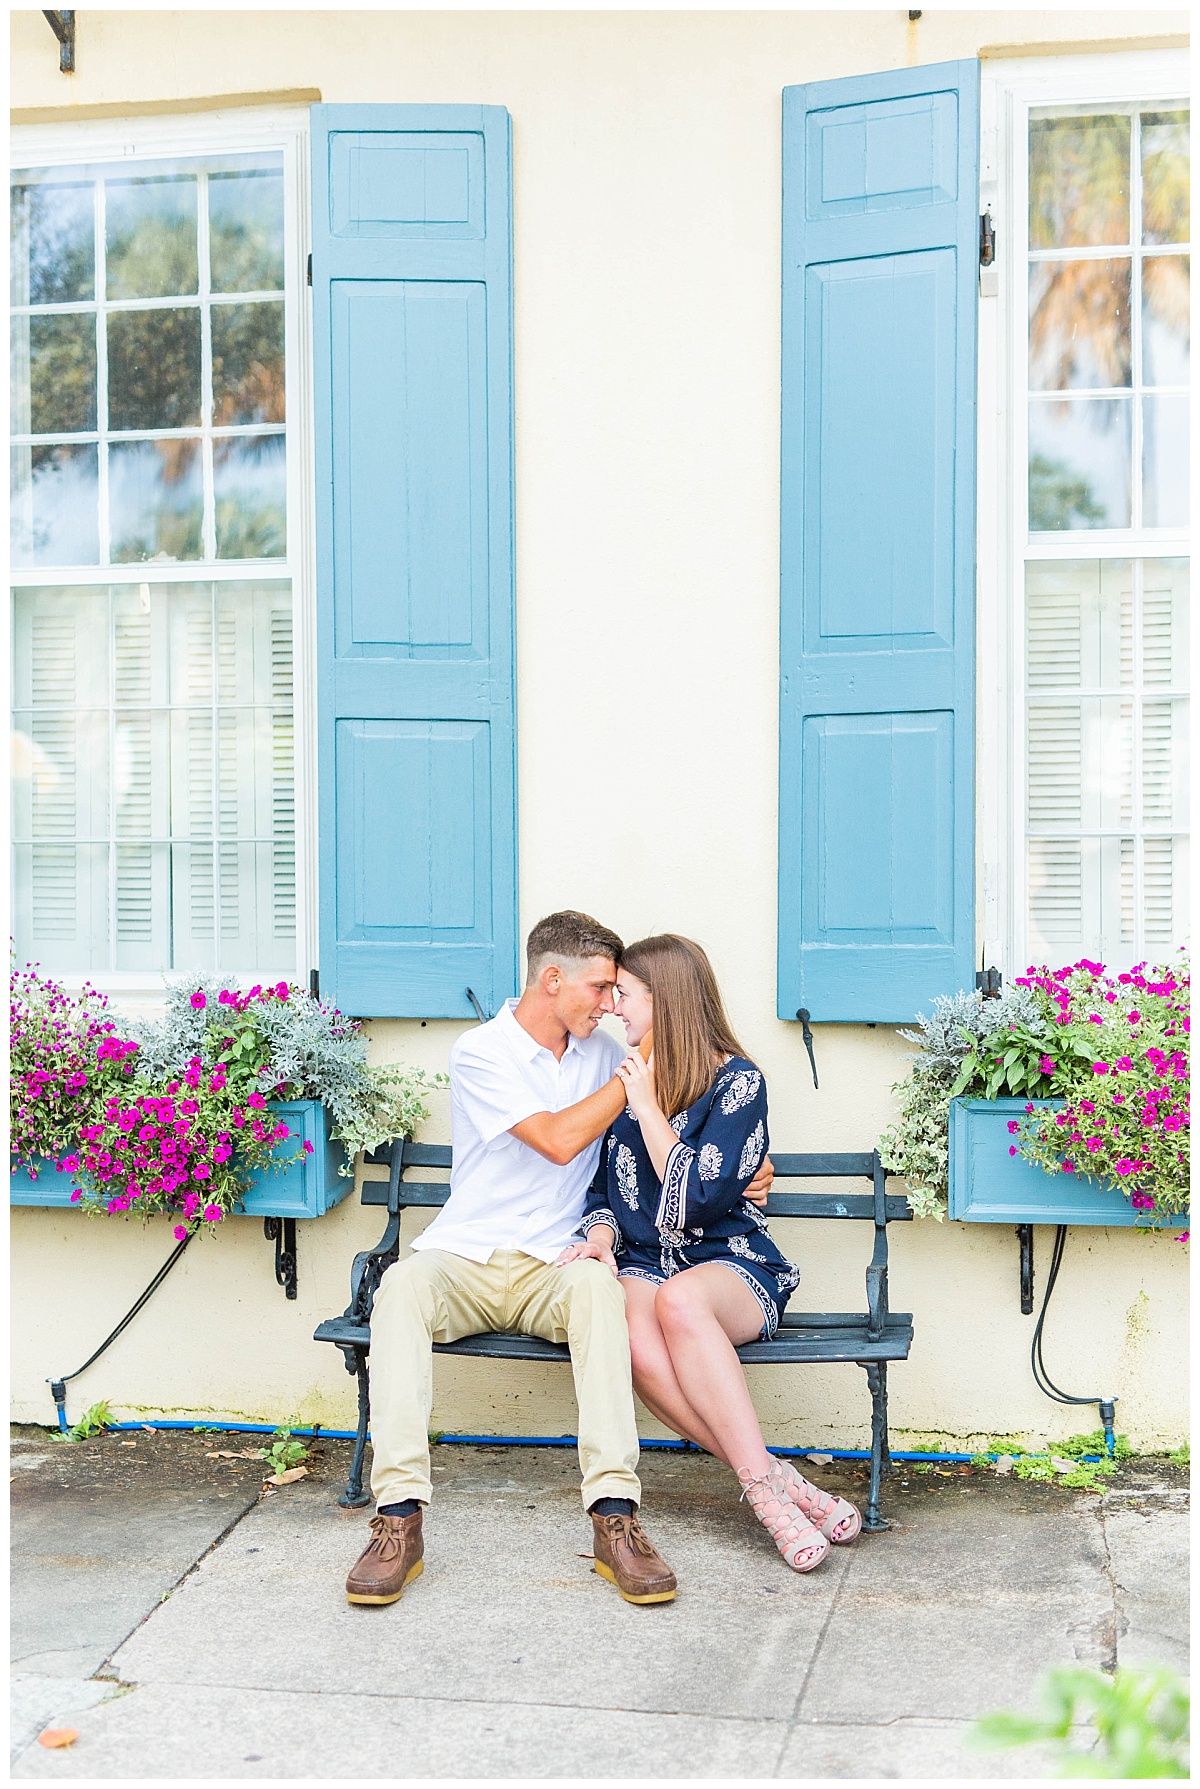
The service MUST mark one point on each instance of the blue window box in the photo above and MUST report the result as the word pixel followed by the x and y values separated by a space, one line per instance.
pixel 990 1186
pixel 307 1189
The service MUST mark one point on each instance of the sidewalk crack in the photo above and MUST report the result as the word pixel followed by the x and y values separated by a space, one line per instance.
pixel 790 1726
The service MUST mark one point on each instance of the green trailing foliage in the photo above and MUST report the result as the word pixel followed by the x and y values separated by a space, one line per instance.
pixel 1138 1721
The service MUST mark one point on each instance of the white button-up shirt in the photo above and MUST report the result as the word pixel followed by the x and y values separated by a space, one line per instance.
pixel 503 1194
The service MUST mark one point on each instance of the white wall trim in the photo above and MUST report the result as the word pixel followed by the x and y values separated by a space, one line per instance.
pixel 1009 90
pixel 228 131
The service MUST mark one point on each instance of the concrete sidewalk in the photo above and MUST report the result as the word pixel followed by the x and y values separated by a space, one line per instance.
pixel 213 1621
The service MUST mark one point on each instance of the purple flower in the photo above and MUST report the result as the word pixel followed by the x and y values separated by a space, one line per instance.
pixel 1046 1064
pixel 308 1149
pixel 1012 1149
pixel 1099 1068
pixel 180 1232
pixel 198 1001
pixel 201 1171
pixel 212 1214
pixel 1013 1127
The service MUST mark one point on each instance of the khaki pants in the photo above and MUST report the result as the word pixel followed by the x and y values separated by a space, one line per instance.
pixel 434 1296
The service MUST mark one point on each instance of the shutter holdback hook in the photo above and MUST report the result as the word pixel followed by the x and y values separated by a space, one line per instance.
pixel 803 1016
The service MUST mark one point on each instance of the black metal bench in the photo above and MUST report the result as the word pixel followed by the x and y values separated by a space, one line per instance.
pixel 871 1338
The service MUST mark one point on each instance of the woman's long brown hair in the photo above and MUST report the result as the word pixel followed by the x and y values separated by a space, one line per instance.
pixel 692 1034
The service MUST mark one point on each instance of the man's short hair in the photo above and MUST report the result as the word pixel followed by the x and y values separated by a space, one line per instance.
pixel 569 936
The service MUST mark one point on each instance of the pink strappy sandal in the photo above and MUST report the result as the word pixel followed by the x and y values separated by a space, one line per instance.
pixel 835 1517
pixel 801 1545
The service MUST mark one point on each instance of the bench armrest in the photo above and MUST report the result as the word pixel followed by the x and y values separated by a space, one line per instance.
pixel 877 1272
pixel 368 1269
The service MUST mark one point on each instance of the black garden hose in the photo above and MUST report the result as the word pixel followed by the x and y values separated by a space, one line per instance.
pixel 58 1387
pixel 1041 1377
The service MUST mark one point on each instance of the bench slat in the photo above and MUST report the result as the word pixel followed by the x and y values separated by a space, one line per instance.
pixel 421 1193
pixel 820 1342
pixel 795 1166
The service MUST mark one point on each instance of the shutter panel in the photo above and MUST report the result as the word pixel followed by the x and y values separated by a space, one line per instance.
pixel 412 327
pixel 877 549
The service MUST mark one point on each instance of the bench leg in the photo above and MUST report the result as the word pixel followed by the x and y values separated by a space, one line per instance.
pixel 873 1521
pixel 352 1497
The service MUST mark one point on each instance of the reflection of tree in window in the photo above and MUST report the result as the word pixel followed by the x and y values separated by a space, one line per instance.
pixel 1058 498
pixel 53 244
pixel 151 238
pixel 1078 182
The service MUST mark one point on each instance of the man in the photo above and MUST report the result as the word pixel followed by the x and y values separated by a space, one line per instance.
pixel 531 1093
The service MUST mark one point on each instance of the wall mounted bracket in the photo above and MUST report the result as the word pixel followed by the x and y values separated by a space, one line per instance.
pixel 1025 1239
pixel 63 26
pixel 282 1232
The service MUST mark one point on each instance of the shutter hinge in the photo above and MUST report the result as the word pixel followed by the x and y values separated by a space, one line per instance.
pixel 989 983
pixel 309 277
pixel 314 983
pixel 987 240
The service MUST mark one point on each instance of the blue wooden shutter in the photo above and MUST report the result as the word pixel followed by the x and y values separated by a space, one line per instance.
pixel 877 553
pixel 412 332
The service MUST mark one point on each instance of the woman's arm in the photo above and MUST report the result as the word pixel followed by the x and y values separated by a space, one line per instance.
pixel 708 1176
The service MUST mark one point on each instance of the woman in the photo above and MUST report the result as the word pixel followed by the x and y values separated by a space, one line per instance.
pixel 666 1213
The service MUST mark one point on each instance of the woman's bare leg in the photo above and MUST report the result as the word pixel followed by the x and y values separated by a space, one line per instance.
pixel 703 1313
pixel 653 1375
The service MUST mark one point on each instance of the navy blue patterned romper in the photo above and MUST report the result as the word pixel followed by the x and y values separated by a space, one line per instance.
pixel 697 1213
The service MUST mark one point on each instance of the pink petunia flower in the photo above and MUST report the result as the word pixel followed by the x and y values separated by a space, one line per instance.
pixel 180 1232
pixel 198 1001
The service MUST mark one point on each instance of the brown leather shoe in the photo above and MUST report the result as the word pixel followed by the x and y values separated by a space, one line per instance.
pixel 393 1557
pixel 627 1559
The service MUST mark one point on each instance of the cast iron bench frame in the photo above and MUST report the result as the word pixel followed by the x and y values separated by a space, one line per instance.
pixel 870 1339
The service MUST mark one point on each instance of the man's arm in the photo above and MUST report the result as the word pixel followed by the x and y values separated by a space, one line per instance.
pixel 559 1136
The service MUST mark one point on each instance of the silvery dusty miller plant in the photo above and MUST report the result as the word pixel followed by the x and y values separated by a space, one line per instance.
pixel 288 1045
pixel 917 1145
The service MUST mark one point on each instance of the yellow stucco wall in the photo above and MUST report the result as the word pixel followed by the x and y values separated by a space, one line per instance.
pixel 647 178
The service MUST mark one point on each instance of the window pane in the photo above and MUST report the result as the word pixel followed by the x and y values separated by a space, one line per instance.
pixel 1079 625
pixel 1165 763
pixel 246 231
pixel 154 369
pixel 1165 461
pixel 247 351
pixel 1078 181
pixel 1081 899
pixel 55 515
pixel 53 243
pixel 1165 892
pixel 150 231
pixel 1080 758
pixel 193 812
pixel 1079 464
pixel 1166 330
pixel 155 500
pixel 1165 177
pixel 1165 623
pixel 54 389
pixel 250 492
pixel 1078 324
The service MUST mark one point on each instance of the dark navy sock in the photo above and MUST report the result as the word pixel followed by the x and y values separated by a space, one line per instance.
pixel 409 1507
pixel 612 1506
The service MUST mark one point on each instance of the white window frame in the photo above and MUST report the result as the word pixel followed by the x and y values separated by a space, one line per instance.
pixel 227 131
pixel 1010 89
